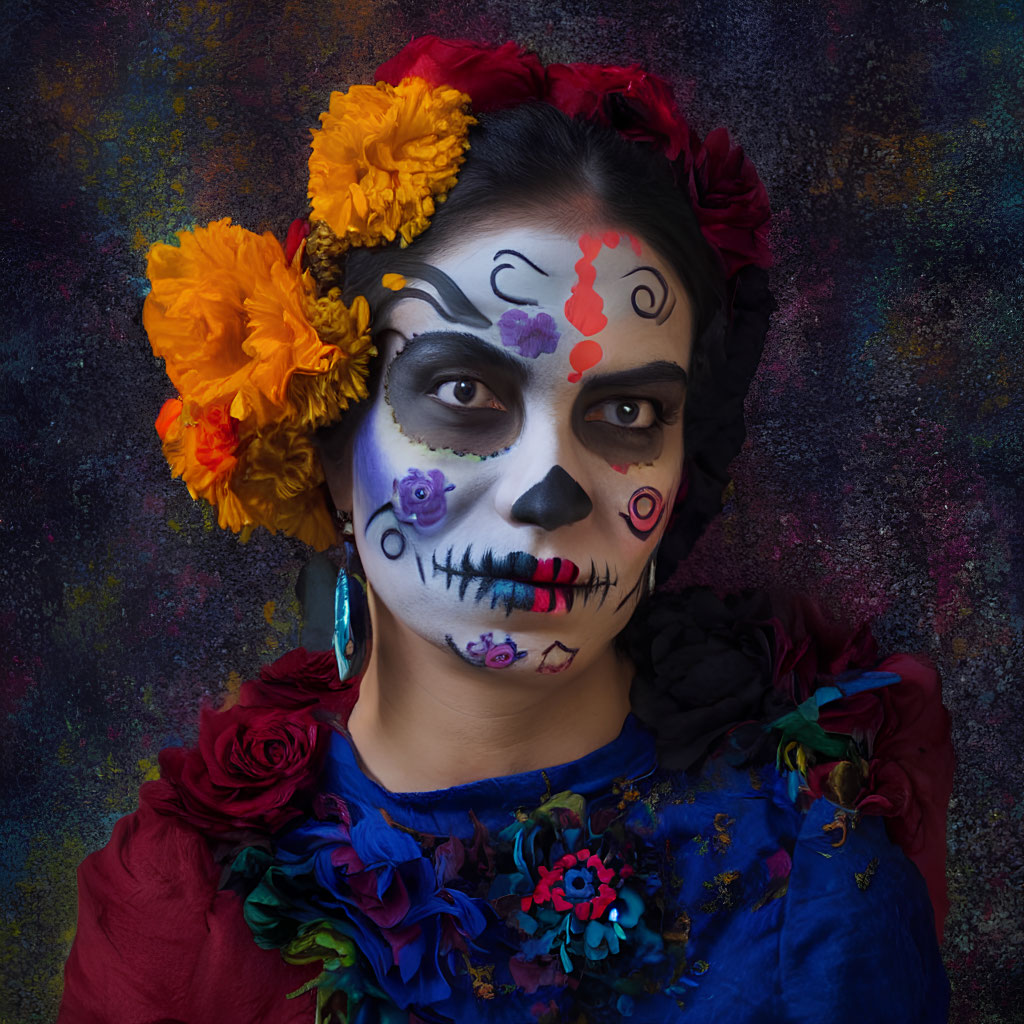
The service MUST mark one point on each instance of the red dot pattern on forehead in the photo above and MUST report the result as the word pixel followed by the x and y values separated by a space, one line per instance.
pixel 584 355
pixel 583 309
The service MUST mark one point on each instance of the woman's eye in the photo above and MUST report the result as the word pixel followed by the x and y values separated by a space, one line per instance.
pixel 635 413
pixel 467 394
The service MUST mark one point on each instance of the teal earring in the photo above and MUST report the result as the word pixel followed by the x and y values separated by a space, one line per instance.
pixel 351 615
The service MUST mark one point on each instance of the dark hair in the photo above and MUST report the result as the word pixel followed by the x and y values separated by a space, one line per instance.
pixel 533 161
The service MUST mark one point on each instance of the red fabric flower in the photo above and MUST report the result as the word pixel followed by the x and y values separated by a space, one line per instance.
pixel 303 677
pixel 250 769
pixel 494 77
pixel 637 104
pixel 730 202
pixel 811 650
pixel 298 231
pixel 157 940
pixel 910 768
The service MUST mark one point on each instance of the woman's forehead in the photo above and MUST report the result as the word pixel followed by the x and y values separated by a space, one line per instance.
pixel 535 286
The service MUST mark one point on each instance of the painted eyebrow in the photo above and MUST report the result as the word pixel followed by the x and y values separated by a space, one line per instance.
pixel 661 371
pixel 467 349
pixel 509 266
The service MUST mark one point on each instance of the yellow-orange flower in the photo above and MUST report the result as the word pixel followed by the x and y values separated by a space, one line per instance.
pixel 381 156
pixel 228 315
pixel 238 328
pixel 319 399
pixel 280 485
pixel 201 447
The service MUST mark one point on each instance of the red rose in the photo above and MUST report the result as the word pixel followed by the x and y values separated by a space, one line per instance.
pixel 302 677
pixel 637 104
pixel 494 77
pixel 157 940
pixel 252 766
pixel 730 202
pixel 910 766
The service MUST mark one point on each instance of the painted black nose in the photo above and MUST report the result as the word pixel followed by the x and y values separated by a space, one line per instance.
pixel 556 501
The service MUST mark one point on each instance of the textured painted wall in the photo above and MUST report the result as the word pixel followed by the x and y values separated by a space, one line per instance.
pixel 885 444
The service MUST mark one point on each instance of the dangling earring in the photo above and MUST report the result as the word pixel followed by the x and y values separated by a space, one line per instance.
pixel 652 572
pixel 351 616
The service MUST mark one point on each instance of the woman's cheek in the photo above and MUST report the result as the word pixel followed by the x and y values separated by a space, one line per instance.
pixel 644 511
pixel 373 469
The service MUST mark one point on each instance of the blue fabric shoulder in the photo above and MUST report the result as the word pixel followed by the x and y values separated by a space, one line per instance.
pixel 858 938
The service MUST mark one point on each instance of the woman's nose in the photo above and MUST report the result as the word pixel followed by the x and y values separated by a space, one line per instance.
pixel 555 501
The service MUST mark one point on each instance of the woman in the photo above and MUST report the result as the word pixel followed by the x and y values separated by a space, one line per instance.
pixel 465 821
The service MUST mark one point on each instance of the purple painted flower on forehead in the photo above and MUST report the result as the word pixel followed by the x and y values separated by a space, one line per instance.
pixel 530 335
pixel 421 498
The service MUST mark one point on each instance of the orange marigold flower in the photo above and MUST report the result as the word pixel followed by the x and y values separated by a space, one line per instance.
pixel 260 363
pixel 201 447
pixel 169 412
pixel 229 316
pixel 195 312
pixel 279 483
pixel 382 154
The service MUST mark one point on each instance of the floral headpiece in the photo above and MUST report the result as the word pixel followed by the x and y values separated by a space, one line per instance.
pixel 261 348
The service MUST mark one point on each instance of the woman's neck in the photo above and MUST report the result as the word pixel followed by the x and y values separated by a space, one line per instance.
pixel 425 720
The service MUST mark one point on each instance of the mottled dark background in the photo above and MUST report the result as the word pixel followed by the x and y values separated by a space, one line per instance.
pixel 882 467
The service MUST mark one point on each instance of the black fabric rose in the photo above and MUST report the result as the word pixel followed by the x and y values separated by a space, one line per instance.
pixel 703 665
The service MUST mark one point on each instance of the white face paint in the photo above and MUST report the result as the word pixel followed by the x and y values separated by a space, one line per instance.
pixel 511 481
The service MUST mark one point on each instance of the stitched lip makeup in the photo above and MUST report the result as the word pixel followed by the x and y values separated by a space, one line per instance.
pixel 521 582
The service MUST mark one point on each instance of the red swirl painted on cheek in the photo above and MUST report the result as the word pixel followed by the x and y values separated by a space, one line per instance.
pixel 643 512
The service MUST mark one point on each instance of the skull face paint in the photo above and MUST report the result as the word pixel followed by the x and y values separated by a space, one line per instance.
pixel 488 491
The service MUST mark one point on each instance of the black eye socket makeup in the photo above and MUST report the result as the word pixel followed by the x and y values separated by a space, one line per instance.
pixel 610 405
pixel 455 391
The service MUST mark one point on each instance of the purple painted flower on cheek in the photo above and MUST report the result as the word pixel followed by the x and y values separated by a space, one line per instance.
pixel 494 655
pixel 421 497
pixel 529 335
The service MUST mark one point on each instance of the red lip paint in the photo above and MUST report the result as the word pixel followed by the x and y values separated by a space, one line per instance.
pixel 555 570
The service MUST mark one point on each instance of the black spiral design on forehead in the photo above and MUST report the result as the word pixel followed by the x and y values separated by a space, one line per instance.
pixel 645 303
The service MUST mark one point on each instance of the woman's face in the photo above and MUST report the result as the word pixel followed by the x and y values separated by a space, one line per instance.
pixel 516 471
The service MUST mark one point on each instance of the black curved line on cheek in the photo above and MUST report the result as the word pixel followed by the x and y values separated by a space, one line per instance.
pixel 637 587
pixel 387 536
pixel 557 500
pixel 386 507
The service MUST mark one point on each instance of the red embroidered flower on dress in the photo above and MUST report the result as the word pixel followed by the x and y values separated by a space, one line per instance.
pixel 579 882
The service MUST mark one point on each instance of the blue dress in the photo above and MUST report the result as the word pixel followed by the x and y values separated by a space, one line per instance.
pixel 605 889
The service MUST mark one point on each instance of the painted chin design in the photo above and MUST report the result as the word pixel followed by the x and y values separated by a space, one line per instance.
pixel 521 582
